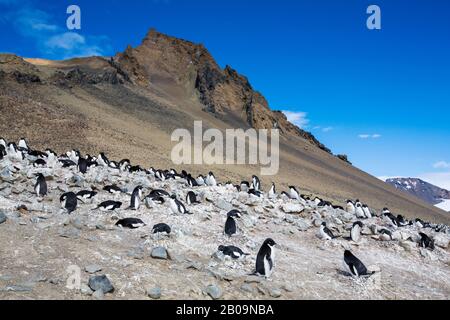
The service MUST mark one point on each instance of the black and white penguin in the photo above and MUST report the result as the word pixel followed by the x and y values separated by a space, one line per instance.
pixel 69 201
pixel 114 165
pixel 191 198
pixel 366 211
pixel 83 165
pixel 391 218
pixel 355 233
pixel 2 152
pixel 161 228
pixel 109 205
pixel 130 223
pixel 326 233
pixel 124 164
pixel 350 207
pixel 353 265
pixel 136 197
pixel 230 224
pixel 86 195
pixel 41 186
pixel 23 145
pixel 39 163
pixel 160 175
pixel 293 193
pixel 265 260
pixel 67 163
pixel 401 220
pixel 232 251
pixel 191 181
pixel 113 189
pixel 359 212
pixel 272 191
pixel 103 160
pixel 244 186
pixel 200 180
pixel 256 183
pixel 159 193
pixel 426 241
pixel 211 180
pixel 176 206
pixel 255 193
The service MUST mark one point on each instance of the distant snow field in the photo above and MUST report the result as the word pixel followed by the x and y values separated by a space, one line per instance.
pixel 444 205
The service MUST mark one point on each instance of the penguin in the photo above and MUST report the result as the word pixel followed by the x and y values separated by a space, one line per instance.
pixel 23 145
pixel 82 165
pixel 391 218
pixel 2 152
pixel 401 220
pixel 426 241
pixel 176 206
pixel 256 183
pixel 419 223
pixel 159 174
pixel 255 193
pixel 136 197
pixel 265 260
pixel 366 211
pixel 113 189
pixel 150 200
pixel 109 205
pixel 244 187
pixel 39 163
pixel 66 163
pixel 355 233
pixel 191 181
pixel 318 201
pixel 353 265
pixel 130 223
pixel 3 143
pixel 230 224
pixel 113 165
pixel 69 201
pixel 159 193
pixel 160 228
pixel 41 186
pixel 85 195
pixel 124 164
pixel 326 233
pixel 350 207
pixel 386 234
pixel 359 211
pixel 293 193
pixel 200 180
pixel 211 180
pixel 272 191
pixel 103 160
pixel 232 251
pixel 191 198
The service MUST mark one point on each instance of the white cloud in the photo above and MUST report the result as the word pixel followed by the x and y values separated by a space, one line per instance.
pixel 369 136
pixel 442 165
pixel 67 41
pixel 298 118
pixel 327 129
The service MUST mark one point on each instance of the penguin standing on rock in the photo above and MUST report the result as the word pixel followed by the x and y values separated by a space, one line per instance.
pixel 41 186
pixel 355 233
pixel 353 265
pixel 265 260
pixel 176 206
pixel 83 165
pixel 230 224
pixel 256 183
pixel 136 197
pixel 326 233
pixel 293 193
pixel 272 191
pixel 69 201
pixel 211 180
pixel 191 198
pixel 359 211
pixel 426 241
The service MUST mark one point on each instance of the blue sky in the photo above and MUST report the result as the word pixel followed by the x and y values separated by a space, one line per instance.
pixel 380 96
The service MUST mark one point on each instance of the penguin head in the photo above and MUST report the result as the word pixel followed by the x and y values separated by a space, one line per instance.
pixel 221 248
pixel 173 196
pixel 234 213
pixel 269 242
pixel 211 174
pixel 347 254
pixel 324 224
pixel 358 223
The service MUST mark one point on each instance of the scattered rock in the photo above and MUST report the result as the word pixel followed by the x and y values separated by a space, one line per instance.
pixel 102 283
pixel 154 293
pixel 98 295
pixel 159 253
pixel 214 291
pixel 292 208
pixel 224 205
pixel 2 217
pixel 441 240
pixel 85 290
pixel 275 293
pixel 93 268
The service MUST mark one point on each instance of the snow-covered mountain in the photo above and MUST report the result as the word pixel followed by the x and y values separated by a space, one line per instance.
pixel 423 190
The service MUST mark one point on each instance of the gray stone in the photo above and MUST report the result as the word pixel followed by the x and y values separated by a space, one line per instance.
pixel 275 293
pixel 441 240
pixel 247 288
pixel 224 205
pixel 292 208
pixel 71 233
pixel 2 217
pixel 85 290
pixel 98 295
pixel 93 268
pixel 302 224
pixel 214 291
pixel 18 288
pixel 154 293
pixel 100 283
pixel 159 253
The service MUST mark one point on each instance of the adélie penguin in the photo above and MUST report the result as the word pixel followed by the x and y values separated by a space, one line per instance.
pixel 232 251
pixel 136 196
pixel 69 201
pixel 256 183
pixel 109 205
pixel 191 198
pixel 426 241
pixel 272 191
pixel 355 233
pixel 353 265
pixel 41 186
pixel 176 206
pixel 230 224
pixel 161 228
pixel 130 223
pixel 265 260
pixel 326 233
pixel 86 195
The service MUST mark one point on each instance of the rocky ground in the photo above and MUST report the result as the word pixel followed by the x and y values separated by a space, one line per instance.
pixel 43 249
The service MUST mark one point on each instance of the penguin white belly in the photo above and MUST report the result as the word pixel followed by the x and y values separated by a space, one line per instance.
pixel 356 233
pixel 173 206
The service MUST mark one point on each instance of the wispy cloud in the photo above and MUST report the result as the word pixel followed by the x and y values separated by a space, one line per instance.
pixel 298 118
pixel 327 129
pixel 441 165
pixel 52 40
pixel 369 136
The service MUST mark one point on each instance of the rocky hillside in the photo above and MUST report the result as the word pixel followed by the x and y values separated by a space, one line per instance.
pixel 129 105
pixel 420 189
pixel 48 253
